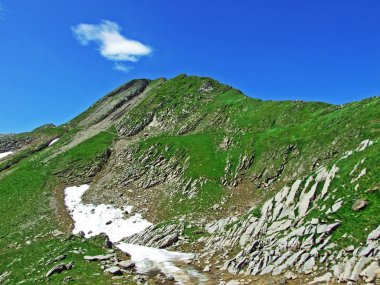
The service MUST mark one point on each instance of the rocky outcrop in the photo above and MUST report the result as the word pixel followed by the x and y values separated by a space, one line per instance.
pixel 157 236
pixel 14 142
pixel 283 238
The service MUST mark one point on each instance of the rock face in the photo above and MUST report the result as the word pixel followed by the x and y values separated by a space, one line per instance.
pixel 279 238
pixel 282 237
pixel 155 236
pixel 13 143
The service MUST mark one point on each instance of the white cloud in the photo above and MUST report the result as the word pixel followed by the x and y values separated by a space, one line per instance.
pixel 112 45
pixel 121 67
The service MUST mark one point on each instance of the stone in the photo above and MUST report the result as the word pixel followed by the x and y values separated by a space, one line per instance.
pixel 366 251
pixel 308 266
pixel 338 269
pixel 59 268
pixel 268 269
pixel 336 206
pixel 359 204
pixel 350 248
pixel 169 240
pixel 207 268
pixel 358 268
pixel 322 279
pixel 306 199
pixel 290 275
pixel 97 257
pixel 57 233
pixel 374 235
pixel 347 269
pixel 233 282
pixel 293 259
pixel 324 228
pixel 113 270
pixel 126 264
pixel 369 274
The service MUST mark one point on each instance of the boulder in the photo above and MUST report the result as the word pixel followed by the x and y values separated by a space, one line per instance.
pixel 113 270
pixel 359 204
pixel 126 264
pixel 59 268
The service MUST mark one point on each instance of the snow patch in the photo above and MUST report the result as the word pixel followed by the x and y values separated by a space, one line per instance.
pixel 148 259
pixel 53 141
pixel 96 219
pixel 4 154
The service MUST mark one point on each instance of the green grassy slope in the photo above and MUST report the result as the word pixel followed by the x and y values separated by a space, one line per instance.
pixel 240 150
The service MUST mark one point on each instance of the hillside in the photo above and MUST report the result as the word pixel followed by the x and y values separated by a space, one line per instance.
pixel 261 192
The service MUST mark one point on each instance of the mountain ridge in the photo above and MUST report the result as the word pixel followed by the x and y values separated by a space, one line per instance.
pixel 201 160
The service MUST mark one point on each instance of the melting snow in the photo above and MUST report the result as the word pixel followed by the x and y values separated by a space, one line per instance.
pixel 53 141
pixel 96 219
pixel 148 259
pixel 4 154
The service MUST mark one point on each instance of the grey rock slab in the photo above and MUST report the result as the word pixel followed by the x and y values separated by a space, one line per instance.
pixel 336 206
pixel 279 269
pixel 290 275
pixel 233 282
pixel 358 268
pixel 59 268
pixel 374 235
pixel 293 259
pixel 322 279
pixel 338 270
pixel 369 274
pixel 348 267
pixel 97 257
pixel 305 200
pixel 268 269
pixel 113 270
pixel 327 228
pixel 126 264
pixel 169 240
pixel 279 226
pixel 366 251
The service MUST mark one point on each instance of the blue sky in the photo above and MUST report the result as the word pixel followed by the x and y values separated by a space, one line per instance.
pixel 52 67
